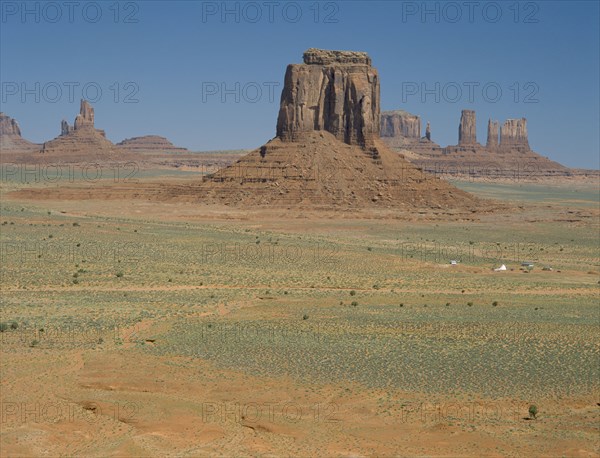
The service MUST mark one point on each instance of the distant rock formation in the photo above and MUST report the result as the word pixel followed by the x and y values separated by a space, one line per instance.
pixel 327 153
pixel 82 141
pixel 333 91
pixel 150 144
pixel 400 123
pixel 492 135
pixel 10 137
pixel 467 129
pixel 402 131
pixel 513 135
pixel 507 156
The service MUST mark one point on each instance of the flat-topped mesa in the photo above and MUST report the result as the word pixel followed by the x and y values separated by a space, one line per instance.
pixel 492 134
pixel 467 128
pixel 333 91
pixel 314 56
pixel 513 135
pixel 400 123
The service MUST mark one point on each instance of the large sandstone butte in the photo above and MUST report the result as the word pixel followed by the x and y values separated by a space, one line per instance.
pixel 333 91
pixel 82 141
pixel 11 140
pixel 506 155
pixel 150 144
pixel 327 152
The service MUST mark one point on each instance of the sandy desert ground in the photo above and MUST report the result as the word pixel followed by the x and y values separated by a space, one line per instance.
pixel 135 327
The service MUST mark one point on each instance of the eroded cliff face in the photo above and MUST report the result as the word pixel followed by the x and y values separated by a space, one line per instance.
pixel 513 134
pixel 400 123
pixel 467 128
pixel 492 134
pixel 333 91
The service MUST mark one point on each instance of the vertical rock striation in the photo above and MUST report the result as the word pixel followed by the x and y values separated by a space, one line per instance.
pixel 467 128
pixel 333 91
pixel 492 135
pixel 400 123
pixel 513 135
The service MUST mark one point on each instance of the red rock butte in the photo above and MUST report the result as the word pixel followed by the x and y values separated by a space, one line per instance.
pixel 327 152
pixel 81 141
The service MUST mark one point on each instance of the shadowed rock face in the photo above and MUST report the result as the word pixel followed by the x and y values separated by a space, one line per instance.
pixel 513 134
pixel 467 128
pixel 333 91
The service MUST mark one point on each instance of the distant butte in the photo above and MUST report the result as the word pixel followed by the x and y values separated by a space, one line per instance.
pixel 506 154
pixel 82 141
pixel 150 144
pixel 11 140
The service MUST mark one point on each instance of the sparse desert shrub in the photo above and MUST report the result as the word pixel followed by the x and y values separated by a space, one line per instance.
pixel 354 303
pixel 14 325
pixel 305 317
pixel 447 304
pixel 3 327
pixel 495 303
pixel 401 304
pixel 352 293
pixel 470 304
pixel 533 411
pixel 119 274
pixel 34 343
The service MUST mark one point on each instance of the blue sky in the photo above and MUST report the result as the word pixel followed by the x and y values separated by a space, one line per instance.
pixel 169 58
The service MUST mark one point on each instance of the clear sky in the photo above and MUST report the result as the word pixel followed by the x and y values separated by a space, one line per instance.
pixel 162 66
